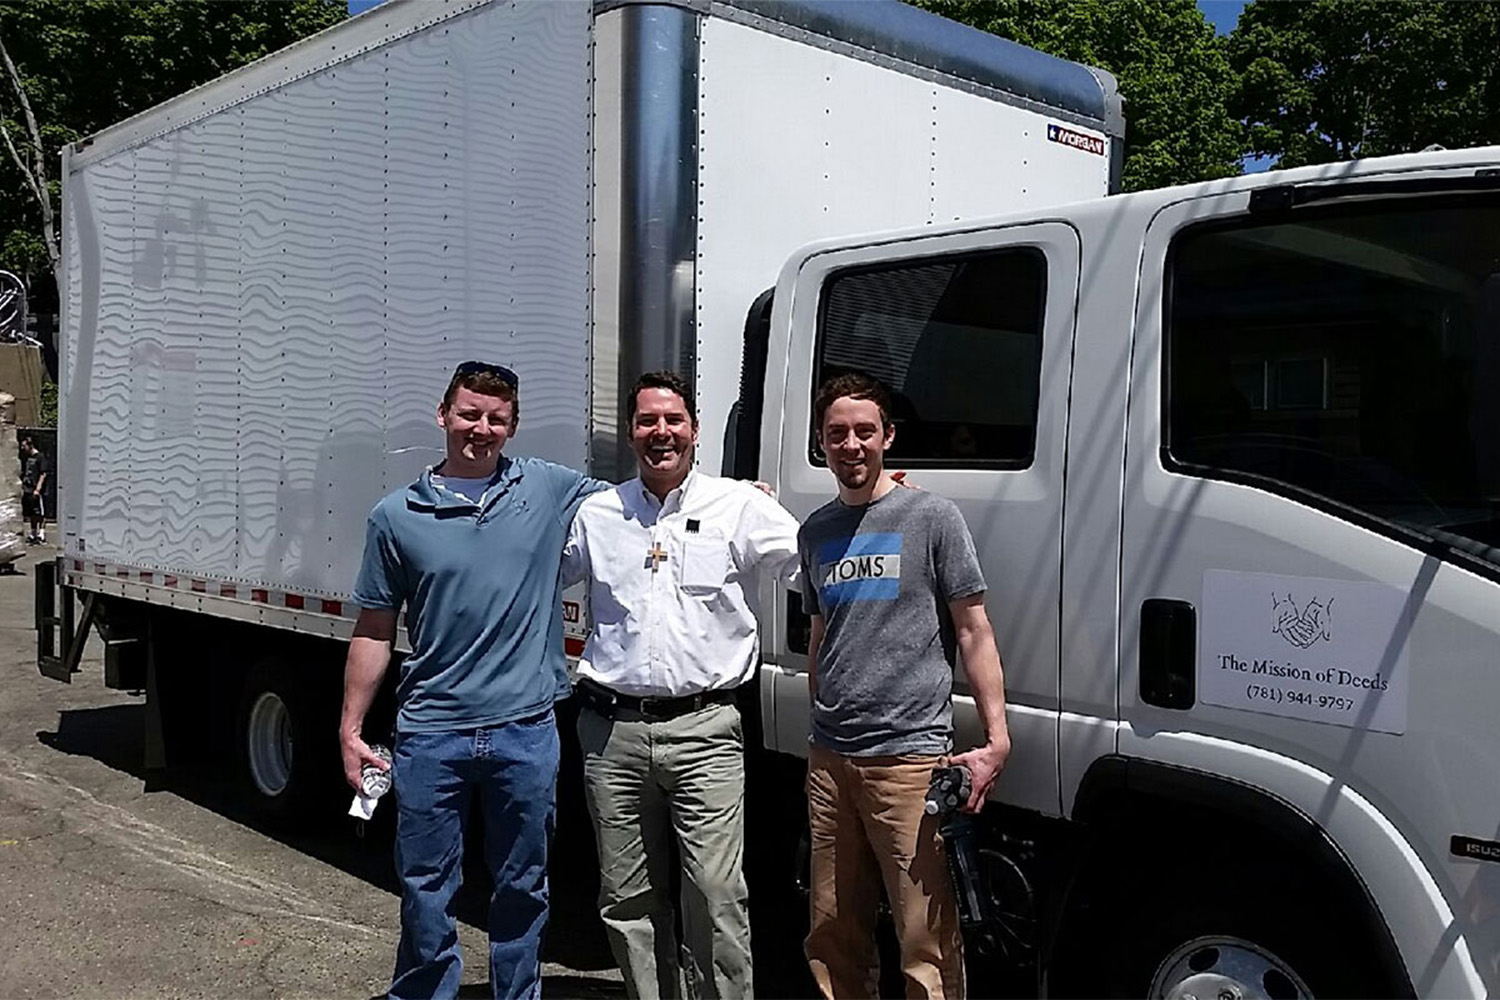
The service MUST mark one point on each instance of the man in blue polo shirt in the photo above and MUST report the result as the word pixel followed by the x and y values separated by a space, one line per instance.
pixel 471 550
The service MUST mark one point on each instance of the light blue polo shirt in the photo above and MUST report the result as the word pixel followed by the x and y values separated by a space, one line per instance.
pixel 480 585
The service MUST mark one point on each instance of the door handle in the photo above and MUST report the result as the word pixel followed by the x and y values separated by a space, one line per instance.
pixel 1168 653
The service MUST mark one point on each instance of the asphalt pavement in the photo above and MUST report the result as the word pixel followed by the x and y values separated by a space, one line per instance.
pixel 119 882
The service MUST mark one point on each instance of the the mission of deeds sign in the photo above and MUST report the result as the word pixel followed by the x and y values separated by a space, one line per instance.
pixel 1322 650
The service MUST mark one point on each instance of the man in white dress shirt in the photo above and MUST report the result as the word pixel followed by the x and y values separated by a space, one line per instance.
pixel 673 558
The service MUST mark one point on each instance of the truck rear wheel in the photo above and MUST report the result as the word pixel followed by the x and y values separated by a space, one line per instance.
pixel 287 745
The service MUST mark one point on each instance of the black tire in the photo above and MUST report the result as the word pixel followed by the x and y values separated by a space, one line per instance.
pixel 286 745
pixel 1139 934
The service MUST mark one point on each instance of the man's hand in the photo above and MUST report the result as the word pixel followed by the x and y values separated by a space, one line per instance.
pixel 357 754
pixel 984 764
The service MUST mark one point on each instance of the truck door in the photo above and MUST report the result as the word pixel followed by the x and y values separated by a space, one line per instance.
pixel 1311 531
pixel 973 334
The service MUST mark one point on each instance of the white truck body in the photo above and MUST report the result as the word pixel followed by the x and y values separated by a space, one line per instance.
pixel 267 282
pixel 269 279
pixel 1269 402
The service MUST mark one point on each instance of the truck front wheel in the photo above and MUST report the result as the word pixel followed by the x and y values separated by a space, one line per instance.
pixel 1227 927
pixel 1220 966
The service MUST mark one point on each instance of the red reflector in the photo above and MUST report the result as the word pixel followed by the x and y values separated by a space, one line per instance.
pixel 169 581
pixel 333 608
pixel 572 646
pixel 259 595
pixel 294 601
pixel 226 591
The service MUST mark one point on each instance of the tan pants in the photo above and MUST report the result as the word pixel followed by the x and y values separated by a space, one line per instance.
pixel 869 830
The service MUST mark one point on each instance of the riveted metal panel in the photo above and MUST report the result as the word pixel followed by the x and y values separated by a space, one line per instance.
pixel 265 303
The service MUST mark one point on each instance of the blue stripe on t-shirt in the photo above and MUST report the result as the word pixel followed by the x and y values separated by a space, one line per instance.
pixel 859 545
pixel 863 567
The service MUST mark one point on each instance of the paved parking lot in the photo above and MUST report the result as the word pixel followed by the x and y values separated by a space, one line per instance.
pixel 122 883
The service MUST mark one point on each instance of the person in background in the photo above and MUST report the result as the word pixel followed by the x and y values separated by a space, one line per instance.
pixel 470 551
pixel 34 471
pixel 673 558
pixel 894 589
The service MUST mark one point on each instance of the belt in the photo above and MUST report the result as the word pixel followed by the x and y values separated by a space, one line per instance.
pixel 606 702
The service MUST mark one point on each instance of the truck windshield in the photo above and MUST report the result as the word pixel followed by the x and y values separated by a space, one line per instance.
pixel 1349 355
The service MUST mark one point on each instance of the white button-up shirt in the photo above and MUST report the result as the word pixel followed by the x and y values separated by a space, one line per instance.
pixel 673 584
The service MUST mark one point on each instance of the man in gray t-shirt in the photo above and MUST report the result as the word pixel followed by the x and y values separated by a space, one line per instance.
pixel 894 588
pixel 883 576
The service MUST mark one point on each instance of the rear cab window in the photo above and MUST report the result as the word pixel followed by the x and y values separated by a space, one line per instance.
pixel 958 342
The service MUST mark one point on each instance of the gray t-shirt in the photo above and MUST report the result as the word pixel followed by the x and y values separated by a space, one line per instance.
pixel 882 576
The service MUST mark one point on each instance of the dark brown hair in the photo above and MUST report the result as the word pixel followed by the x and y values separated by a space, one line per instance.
pixel 485 383
pixel 856 386
pixel 671 381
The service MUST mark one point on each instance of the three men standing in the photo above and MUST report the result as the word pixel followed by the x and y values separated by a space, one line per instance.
pixel 894 589
pixel 470 550
pixel 673 558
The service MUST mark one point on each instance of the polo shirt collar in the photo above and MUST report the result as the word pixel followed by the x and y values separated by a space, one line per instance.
pixel 425 495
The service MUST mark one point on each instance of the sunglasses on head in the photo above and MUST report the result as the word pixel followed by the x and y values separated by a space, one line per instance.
pixel 501 372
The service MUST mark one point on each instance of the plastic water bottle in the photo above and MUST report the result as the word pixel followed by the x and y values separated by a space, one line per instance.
pixel 373 783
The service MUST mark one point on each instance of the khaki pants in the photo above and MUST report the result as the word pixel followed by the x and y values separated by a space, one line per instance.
pixel 869 830
pixel 648 783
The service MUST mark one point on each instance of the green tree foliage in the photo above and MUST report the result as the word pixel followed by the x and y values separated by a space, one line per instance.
pixel 87 64
pixel 1331 80
pixel 1170 62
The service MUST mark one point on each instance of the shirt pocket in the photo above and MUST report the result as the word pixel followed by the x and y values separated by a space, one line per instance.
pixel 705 564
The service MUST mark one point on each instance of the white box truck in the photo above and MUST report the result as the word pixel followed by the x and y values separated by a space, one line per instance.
pixel 267 281
pixel 1231 458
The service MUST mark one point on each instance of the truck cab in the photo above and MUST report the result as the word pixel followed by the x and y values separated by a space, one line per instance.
pixel 1230 454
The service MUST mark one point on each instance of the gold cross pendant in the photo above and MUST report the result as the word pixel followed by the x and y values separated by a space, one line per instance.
pixel 655 556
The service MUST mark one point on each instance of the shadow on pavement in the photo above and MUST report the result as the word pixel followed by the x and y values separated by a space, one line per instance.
pixel 114 736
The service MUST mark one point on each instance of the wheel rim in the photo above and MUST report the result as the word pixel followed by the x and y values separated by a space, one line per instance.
pixel 1226 968
pixel 269 741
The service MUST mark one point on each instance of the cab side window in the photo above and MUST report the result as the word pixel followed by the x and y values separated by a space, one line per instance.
pixel 1349 357
pixel 958 342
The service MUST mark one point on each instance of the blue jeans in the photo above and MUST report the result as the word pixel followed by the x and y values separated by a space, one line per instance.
pixel 513 769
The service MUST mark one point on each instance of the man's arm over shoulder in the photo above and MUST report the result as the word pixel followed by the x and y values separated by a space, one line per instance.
pixel 569 486
pixel 577 561
pixel 766 538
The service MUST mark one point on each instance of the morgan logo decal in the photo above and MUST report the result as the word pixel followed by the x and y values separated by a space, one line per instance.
pixel 1305 626
pixel 1077 140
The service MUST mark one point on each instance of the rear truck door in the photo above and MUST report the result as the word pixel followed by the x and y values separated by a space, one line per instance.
pixel 1311 531
pixel 973 334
